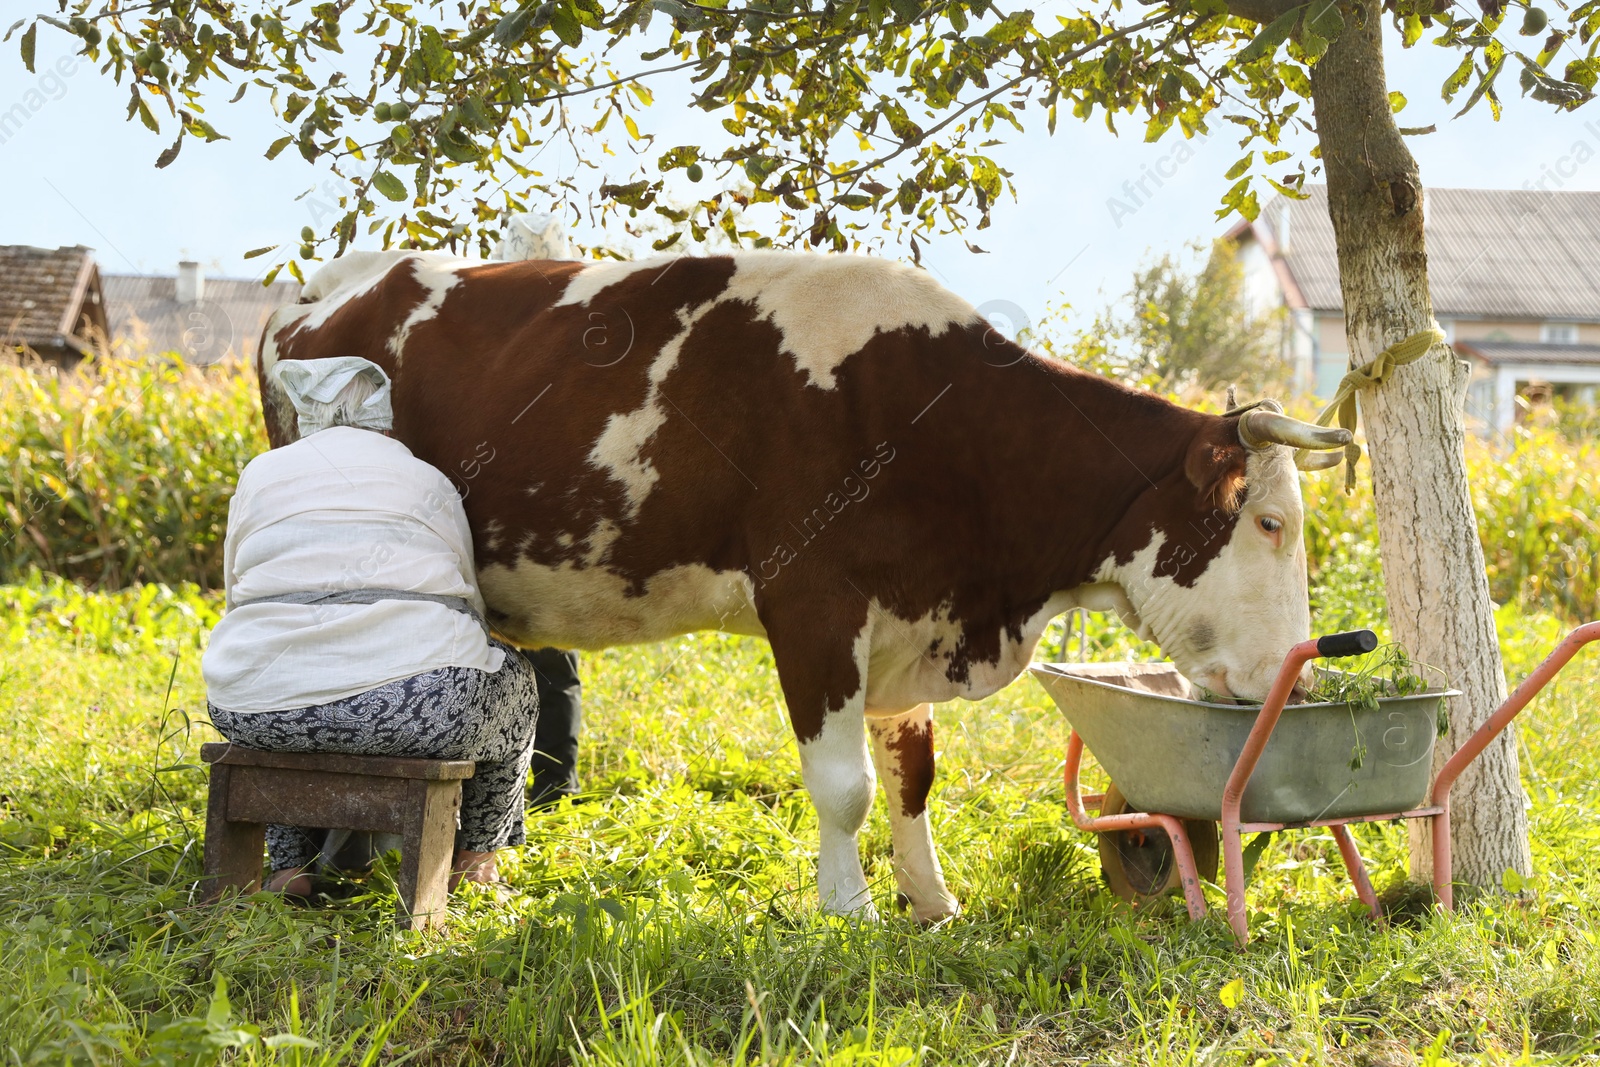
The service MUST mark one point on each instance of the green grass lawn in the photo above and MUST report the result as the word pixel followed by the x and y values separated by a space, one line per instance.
pixel 673 918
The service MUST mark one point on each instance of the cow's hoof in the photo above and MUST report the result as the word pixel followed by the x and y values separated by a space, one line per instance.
pixel 863 912
pixel 932 912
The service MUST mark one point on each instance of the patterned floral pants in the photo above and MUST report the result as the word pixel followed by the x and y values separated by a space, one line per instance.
pixel 451 713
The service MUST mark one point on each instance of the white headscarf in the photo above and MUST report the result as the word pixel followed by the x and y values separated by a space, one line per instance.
pixel 533 235
pixel 340 391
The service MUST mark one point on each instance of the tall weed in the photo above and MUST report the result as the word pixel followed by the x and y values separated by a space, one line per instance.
pixel 120 471
pixel 1537 496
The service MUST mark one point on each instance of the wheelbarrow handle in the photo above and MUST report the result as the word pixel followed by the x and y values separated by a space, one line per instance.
pixel 1349 643
pixel 1353 643
pixel 1502 716
pixel 1443 870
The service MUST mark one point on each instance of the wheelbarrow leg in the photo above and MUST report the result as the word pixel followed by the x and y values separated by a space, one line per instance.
pixel 1444 890
pixel 1188 873
pixel 1357 869
pixel 1233 878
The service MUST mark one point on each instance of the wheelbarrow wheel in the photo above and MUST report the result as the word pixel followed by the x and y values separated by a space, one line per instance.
pixel 1140 864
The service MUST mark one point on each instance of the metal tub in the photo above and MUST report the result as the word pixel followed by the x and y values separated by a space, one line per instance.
pixel 1172 754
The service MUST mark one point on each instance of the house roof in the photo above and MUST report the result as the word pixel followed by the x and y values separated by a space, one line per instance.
pixel 226 322
pixel 1500 253
pixel 42 291
pixel 1497 353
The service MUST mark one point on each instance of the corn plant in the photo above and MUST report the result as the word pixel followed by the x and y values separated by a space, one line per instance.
pixel 120 472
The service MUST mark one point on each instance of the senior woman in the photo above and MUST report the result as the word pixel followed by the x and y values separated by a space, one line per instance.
pixel 354 620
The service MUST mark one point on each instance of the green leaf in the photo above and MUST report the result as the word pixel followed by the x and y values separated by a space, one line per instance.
pixel 390 186
pixel 218 1011
pixel 679 157
pixel 263 250
pixel 1239 168
pixel 146 117
pixel 565 23
pixel 1324 20
pixel 1458 78
pixel 513 28
pixel 1267 41
pixel 1485 83
pixel 906 10
pixel 1397 101
pixel 1411 30
pixel 30 38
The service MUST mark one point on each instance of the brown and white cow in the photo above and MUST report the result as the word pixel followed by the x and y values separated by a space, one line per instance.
pixel 834 453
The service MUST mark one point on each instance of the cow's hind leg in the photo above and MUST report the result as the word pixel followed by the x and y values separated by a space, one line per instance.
pixel 902 747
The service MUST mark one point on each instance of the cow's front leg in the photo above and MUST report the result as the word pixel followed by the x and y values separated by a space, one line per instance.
pixel 838 775
pixel 823 671
pixel 902 747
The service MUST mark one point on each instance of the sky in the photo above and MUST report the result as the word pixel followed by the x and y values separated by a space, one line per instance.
pixel 75 171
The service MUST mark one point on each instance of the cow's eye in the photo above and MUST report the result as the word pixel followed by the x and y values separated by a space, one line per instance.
pixel 1270 524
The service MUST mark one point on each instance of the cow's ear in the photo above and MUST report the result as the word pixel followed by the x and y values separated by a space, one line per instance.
pixel 1216 466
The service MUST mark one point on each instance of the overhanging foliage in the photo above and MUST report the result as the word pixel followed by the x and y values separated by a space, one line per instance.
pixel 844 115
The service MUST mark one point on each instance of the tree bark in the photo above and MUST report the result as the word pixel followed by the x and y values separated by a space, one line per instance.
pixel 1432 560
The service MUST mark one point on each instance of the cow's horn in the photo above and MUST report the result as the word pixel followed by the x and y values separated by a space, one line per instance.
pixel 1317 461
pixel 1261 429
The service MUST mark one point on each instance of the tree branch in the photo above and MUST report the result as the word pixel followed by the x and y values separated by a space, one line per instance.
pixel 906 146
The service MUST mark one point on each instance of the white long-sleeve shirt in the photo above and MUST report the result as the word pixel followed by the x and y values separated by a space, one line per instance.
pixel 340 510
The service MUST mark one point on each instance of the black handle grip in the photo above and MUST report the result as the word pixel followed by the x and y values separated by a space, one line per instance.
pixel 1350 643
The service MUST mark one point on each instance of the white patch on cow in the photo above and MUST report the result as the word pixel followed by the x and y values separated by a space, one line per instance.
pixel 829 307
pixel 1230 630
pixel 351 273
pixel 437 275
pixel 619 450
pixel 357 273
pixel 837 770
pixel 494 535
pixel 575 606
pixel 911 658
pixel 594 279
pixel 917 871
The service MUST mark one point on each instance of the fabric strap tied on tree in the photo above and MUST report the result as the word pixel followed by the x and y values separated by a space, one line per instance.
pixel 1366 376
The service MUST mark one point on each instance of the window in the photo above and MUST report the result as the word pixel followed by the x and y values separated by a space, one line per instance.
pixel 1559 333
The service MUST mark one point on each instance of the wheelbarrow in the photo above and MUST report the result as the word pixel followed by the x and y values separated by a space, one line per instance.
pixel 1181 766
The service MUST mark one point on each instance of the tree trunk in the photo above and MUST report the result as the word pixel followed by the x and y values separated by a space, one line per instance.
pixel 1432 560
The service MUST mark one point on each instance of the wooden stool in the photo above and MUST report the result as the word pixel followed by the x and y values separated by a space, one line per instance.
pixel 415 798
